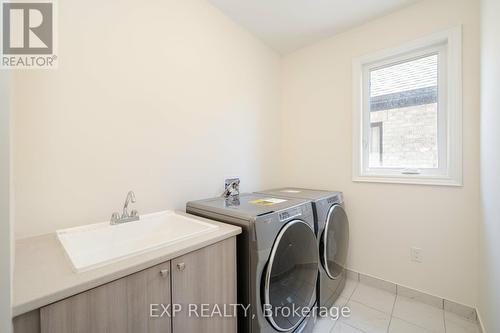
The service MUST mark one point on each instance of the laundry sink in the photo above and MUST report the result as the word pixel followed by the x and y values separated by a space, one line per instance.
pixel 96 245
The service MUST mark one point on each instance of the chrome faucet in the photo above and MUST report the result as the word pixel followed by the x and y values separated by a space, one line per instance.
pixel 126 216
pixel 231 192
pixel 231 188
pixel 130 197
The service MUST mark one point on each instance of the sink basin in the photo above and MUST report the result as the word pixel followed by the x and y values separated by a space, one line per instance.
pixel 96 245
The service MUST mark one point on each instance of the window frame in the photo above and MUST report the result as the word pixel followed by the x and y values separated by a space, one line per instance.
pixel 380 126
pixel 448 45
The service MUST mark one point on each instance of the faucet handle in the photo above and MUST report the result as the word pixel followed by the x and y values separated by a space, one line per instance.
pixel 131 194
pixel 134 213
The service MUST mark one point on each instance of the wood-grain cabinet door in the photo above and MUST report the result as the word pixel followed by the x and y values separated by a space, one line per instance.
pixel 206 276
pixel 122 306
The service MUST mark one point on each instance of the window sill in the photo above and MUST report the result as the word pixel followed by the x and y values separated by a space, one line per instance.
pixel 410 180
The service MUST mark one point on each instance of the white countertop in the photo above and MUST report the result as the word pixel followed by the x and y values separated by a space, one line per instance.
pixel 44 275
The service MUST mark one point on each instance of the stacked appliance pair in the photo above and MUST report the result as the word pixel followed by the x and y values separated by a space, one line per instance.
pixel 286 237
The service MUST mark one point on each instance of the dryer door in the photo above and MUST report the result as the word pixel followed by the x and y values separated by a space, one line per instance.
pixel 290 277
pixel 335 242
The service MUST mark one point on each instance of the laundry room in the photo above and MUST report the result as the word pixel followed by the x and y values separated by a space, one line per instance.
pixel 207 166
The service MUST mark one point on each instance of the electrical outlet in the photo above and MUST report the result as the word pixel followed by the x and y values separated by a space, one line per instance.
pixel 416 255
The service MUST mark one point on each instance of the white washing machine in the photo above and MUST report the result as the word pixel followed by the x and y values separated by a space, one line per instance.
pixel 332 232
pixel 277 259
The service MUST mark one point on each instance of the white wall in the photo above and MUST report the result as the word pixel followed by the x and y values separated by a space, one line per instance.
pixel 6 248
pixel 386 220
pixel 489 279
pixel 169 97
pixel 164 97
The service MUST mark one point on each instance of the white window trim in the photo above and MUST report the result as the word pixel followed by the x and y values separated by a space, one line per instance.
pixel 451 153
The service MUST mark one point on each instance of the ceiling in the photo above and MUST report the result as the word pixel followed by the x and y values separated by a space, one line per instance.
pixel 287 25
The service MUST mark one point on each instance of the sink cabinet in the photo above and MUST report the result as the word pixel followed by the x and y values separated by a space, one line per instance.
pixel 205 276
pixel 119 306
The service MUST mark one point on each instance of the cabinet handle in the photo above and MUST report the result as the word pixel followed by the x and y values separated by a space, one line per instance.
pixel 181 266
pixel 164 272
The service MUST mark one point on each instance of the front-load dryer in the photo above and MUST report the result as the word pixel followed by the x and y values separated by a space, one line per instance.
pixel 277 259
pixel 332 231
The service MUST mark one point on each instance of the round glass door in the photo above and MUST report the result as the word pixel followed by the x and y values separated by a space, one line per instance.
pixel 290 277
pixel 334 242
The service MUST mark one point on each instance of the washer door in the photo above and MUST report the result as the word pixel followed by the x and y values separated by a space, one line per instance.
pixel 290 277
pixel 335 242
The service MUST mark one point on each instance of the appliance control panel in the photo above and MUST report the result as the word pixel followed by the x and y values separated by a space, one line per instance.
pixel 335 199
pixel 289 214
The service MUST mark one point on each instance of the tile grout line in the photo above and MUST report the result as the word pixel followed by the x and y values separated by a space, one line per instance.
pixel 409 322
pixel 392 316
pixel 405 320
pixel 444 319
pixel 441 299
pixel 413 324
pixel 348 299
pixel 392 312
pixel 358 329
pixel 353 290
pixel 369 306
pixel 357 282
pixel 372 308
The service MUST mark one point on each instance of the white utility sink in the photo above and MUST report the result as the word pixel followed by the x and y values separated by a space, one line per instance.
pixel 96 245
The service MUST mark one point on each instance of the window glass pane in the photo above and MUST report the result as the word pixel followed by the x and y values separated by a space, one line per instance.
pixel 404 114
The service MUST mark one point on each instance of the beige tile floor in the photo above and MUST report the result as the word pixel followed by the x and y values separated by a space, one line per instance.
pixel 378 311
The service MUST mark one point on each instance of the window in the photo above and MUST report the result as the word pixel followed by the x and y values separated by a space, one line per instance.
pixel 407 113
